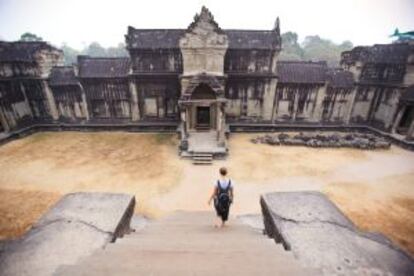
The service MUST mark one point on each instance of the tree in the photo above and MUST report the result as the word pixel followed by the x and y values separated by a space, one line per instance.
pixel 291 47
pixel 70 54
pixel 313 48
pixel 119 51
pixel 95 50
pixel 30 37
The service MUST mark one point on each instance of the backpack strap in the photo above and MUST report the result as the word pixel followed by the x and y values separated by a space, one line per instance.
pixel 221 189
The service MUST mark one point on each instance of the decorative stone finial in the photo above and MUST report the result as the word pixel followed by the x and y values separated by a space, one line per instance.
pixel 205 16
pixel 276 28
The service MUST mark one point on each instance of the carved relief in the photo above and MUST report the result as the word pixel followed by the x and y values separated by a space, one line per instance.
pixel 203 46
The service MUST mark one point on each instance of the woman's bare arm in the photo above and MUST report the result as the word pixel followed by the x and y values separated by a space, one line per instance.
pixel 212 195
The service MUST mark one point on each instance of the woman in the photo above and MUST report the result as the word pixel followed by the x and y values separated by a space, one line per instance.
pixel 223 196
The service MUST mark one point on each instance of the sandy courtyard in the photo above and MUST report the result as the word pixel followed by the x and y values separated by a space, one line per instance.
pixel 374 188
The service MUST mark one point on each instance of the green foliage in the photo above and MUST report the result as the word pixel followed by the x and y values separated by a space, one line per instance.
pixel 291 47
pixel 313 48
pixel 94 50
pixel 70 54
pixel 30 37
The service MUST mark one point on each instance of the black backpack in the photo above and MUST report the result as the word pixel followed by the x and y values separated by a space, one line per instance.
pixel 223 195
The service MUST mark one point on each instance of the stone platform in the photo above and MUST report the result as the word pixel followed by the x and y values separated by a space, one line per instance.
pixel 321 236
pixel 203 147
pixel 76 226
pixel 187 243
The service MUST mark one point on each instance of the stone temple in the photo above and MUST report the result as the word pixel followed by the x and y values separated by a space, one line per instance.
pixel 205 82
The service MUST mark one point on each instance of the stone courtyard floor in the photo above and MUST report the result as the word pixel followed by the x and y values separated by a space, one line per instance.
pixel 374 188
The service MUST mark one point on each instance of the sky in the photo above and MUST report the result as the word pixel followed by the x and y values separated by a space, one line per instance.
pixel 79 22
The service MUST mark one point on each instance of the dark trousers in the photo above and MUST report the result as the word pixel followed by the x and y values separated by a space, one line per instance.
pixel 222 210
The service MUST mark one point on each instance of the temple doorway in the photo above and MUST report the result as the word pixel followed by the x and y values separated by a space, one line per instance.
pixel 203 108
pixel 203 117
pixel 407 118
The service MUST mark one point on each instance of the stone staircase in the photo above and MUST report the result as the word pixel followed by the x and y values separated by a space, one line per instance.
pixel 202 158
pixel 186 243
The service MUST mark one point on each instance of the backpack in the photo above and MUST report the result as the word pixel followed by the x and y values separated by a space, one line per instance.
pixel 223 196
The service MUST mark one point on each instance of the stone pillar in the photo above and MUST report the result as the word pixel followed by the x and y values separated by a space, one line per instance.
pixel 350 106
pixel 26 100
pixel 50 100
pixel 320 97
pixel 84 103
pixel 221 126
pixel 134 100
pixel 410 133
pixel 218 120
pixel 184 130
pixel 269 100
pixel 398 119
pixel 3 121
pixel 295 106
pixel 187 119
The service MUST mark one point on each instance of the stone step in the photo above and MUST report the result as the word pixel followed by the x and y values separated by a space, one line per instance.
pixel 201 162
pixel 202 154
pixel 203 158
pixel 187 243
pixel 200 158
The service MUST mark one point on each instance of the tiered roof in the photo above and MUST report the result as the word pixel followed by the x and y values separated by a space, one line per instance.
pixel 396 53
pixel 63 75
pixel 306 72
pixel 103 67
pixel 21 51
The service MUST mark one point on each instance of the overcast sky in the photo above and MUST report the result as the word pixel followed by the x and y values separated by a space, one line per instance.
pixel 78 22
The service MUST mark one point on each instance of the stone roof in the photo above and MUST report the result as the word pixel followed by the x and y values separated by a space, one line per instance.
pixel 21 51
pixel 63 75
pixel 306 72
pixel 168 39
pixel 396 53
pixel 340 78
pixel 103 67
pixel 408 95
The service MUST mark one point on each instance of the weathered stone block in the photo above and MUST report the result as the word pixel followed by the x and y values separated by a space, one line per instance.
pixel 76 226
pixel 321 236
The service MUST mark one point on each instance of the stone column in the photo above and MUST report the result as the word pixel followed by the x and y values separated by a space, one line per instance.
pixel 350 106
pixel 184 131
pixel 50 100
pixel 221 125
pixel 295 106
pixel 398 119
pixel 320 97
pixel 26 100
pixel 134 100
pixel 269 100
pixel 3 121
pixel 410 133
pixel 218 121
pixel 84 102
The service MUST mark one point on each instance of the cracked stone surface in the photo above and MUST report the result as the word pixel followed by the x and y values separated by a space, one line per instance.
pixel 74 228
pixel 321 236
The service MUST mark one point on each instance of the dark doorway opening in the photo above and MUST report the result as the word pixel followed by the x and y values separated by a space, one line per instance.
pixel 203 117
pixel 406 120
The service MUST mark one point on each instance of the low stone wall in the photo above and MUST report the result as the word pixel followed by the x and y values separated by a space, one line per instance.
pixel 76 226
pixel 323 140
pixel 321 236
pixel 146 127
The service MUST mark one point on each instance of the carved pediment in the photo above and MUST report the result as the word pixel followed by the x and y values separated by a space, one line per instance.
pixel 204 32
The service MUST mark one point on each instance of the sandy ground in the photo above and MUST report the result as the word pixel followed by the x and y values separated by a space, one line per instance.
pixel 374 188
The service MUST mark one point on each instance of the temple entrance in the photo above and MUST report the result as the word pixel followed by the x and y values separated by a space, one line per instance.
pixel 406 120
pixel 203 117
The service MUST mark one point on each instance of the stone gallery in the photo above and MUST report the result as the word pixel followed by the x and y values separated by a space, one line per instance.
pixel 204 82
